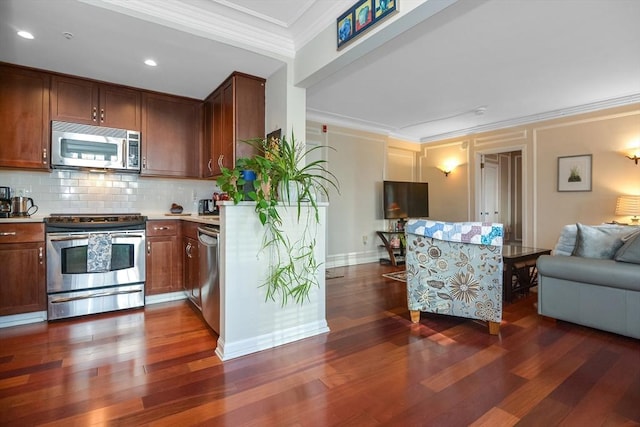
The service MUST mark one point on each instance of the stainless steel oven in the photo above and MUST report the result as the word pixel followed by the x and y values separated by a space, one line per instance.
pixel 95 263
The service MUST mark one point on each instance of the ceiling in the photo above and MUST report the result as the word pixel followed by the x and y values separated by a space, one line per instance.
pixel 476 65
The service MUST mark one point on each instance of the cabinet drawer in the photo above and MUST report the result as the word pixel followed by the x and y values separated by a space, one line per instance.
pixel 21 232
pixel 162 228
pixel 190 229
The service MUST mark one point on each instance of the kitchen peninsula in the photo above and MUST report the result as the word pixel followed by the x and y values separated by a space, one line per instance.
pixel 248 322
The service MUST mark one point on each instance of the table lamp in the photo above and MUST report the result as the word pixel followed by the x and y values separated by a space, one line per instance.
pixel 629 206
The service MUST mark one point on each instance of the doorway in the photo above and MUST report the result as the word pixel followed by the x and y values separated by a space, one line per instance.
pixel 499 191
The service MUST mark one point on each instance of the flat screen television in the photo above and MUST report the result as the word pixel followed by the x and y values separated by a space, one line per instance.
pixel 405 199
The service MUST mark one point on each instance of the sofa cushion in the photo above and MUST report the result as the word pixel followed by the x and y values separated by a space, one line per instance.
pixel 603 272
pixel 630 250
pixel 600 242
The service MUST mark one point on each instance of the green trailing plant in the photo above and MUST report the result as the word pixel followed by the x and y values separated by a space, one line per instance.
pixel 279 164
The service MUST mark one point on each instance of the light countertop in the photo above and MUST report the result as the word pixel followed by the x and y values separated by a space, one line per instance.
pixel 205 219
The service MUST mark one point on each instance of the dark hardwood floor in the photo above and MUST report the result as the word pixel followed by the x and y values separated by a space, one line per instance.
pixel 157 367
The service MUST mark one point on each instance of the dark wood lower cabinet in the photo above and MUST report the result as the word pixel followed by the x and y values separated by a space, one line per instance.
pixel 22 268
pixel 191 262
pixel 163 261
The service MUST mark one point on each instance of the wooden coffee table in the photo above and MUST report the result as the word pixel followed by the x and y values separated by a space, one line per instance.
pixel 521 262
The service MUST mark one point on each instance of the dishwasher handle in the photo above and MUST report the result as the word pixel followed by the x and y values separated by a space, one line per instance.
pixel 211 232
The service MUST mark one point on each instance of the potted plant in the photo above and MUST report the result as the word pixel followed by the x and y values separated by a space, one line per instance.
pixel 282 178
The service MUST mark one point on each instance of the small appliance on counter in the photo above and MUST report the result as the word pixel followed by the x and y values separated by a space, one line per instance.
pixel 23 206
pixel 5 202
pixel 207 207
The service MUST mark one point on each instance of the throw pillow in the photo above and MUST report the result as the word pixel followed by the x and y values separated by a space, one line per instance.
pixel 630 250
pixel 599 242
pixel 567 240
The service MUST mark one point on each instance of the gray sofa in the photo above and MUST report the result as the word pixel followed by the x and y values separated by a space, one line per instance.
pixel 593 278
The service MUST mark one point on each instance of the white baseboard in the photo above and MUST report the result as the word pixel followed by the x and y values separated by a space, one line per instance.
pixel 23 319
pixel 353 258
pixel 231 350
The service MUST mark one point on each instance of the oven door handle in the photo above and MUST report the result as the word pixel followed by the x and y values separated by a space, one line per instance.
pixel 139 236
pixel 94 295
pixel 67 238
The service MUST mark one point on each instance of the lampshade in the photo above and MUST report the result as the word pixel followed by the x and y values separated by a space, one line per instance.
pixel 628 206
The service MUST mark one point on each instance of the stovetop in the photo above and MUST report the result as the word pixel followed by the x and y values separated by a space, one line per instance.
pixel 99 218
pixel 89 222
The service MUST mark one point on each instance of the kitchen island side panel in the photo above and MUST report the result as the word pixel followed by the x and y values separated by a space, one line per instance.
pixel 250 323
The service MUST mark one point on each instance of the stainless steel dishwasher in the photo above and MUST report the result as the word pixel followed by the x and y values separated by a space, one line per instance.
pixel 209 252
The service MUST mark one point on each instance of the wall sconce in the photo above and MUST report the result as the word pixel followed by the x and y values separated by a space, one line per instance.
pixel 635 155
pixel 628 206
pixel 448 166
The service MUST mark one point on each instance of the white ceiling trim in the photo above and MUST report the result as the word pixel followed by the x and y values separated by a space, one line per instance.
pixel 214 26
pixel 302 10
pixel 549 115
pixel 374 127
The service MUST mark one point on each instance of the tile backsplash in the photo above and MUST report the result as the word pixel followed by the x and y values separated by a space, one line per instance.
pixel 69 191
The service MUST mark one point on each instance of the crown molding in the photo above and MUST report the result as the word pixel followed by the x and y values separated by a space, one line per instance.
pixel 549 115
pixel 374 127
pixel 261 36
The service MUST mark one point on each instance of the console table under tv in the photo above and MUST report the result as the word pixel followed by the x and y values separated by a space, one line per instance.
pixel 395 251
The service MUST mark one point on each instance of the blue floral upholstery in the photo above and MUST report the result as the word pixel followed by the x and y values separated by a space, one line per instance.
pixel 455 269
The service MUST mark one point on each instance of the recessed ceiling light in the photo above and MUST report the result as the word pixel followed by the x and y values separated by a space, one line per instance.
pixel 150 62
pixel 25 35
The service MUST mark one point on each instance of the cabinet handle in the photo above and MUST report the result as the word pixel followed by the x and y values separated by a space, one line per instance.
pixel 188 250
pixel 144 163
pixel 44 156
pixel 102 115
pixel 148 248
pixel 40 255
pixel 94 114
pixel 8 233
pixel 220 159
pixel 160 228
pixel 209 165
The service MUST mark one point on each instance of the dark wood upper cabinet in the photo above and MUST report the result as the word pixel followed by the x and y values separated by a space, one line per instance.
pixel 170 136
pixel 92 103
pixel 24 118
pixel 234 112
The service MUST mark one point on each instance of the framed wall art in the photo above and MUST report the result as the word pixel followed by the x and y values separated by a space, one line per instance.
pixel 574 173
pixel 360 17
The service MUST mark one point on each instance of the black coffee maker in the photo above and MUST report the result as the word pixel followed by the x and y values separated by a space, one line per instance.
pixel 5 202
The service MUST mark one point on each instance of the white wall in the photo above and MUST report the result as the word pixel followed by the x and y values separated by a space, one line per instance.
pixel 358 161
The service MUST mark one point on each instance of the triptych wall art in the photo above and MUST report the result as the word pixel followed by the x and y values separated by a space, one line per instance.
pixel 362 16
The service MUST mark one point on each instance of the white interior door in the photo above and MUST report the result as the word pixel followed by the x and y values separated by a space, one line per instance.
pixel 490 198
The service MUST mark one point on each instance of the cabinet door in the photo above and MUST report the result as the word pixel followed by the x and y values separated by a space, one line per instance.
pixel 170 136
pixel 161 267
pixel 191 270
pixel 249 113
pixel 74 100
pixel 226 156
pixel 120 107
pixel 22 289
pixel 24 118
pixel 218 131
pixel 238 115
pixel 206 165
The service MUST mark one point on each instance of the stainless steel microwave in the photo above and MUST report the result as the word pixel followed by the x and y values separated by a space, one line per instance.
pixel 76 145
